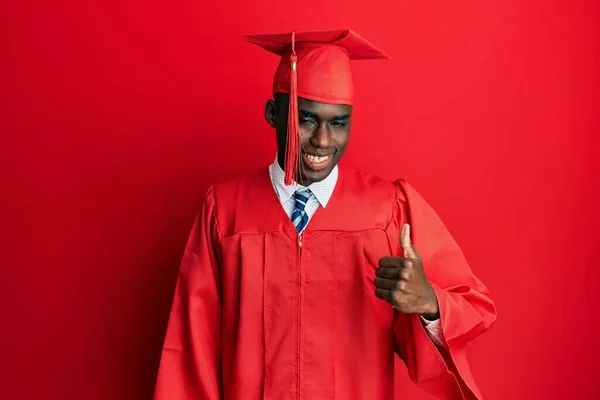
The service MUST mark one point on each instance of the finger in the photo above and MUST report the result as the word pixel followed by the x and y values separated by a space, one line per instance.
pixel 392 274
pixel 406 243
pixel 390 262
pixel 383 283
pixel 388 273
pixel 384 294
pixel 396 262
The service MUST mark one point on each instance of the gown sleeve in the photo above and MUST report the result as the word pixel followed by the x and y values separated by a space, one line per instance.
pixel 190 364
pixel 466 309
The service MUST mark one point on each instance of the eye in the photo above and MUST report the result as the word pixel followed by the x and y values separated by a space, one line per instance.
pixel 338 124
pixel 306 122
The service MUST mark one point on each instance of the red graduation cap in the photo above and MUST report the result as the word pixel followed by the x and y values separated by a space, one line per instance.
pixel 314 65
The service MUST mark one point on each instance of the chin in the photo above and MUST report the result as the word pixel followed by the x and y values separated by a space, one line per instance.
pixel 307 177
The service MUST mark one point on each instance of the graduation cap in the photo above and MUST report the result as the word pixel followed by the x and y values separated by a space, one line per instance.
pixel 314 65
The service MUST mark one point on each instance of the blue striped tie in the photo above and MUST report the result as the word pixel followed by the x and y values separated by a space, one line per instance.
pixel 299 217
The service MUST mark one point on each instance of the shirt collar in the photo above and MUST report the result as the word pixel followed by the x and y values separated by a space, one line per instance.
pixel 322 190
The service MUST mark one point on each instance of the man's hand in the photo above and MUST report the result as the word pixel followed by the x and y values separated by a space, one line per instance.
pixel 401 281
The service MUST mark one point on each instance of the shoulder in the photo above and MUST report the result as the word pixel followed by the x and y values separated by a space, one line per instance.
pixel 238 196
pixel 229 190
pixel 223 199
pixel 375 185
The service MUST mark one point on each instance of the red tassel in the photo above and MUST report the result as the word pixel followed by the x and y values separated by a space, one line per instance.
pixel 293 136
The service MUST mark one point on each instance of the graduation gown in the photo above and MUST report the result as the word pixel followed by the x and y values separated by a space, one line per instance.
pixel 262 313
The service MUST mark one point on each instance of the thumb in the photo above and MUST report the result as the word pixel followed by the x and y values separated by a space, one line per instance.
pixel 406 244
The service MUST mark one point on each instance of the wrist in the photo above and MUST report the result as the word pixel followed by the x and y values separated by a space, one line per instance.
pixel 432 311
pixel 432 315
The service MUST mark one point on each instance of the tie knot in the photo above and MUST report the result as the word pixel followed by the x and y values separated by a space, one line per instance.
pixel 302 195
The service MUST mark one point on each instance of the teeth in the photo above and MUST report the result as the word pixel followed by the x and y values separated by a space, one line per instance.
pixel 317 160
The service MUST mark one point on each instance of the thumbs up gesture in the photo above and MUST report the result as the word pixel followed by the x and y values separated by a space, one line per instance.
pixel 401 281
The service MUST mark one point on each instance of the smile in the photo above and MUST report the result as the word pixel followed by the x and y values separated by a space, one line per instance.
pixel 316 163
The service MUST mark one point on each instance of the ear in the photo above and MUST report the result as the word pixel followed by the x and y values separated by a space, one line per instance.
pixel 271 113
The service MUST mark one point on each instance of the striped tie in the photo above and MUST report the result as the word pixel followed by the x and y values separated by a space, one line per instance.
pixel 299 217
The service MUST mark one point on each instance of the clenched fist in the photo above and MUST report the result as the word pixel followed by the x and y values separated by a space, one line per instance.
pixel 401 281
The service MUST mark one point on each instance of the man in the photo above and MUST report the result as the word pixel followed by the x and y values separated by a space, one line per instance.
pixel 303 279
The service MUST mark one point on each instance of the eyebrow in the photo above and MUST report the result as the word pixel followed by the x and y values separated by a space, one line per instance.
pixel 310 114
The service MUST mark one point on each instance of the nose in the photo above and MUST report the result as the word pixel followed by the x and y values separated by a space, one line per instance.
pixel 321 137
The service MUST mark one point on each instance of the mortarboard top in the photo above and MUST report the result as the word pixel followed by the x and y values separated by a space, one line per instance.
pixel 314 65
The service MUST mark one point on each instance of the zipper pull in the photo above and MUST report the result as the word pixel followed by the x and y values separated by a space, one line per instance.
pixel 300 241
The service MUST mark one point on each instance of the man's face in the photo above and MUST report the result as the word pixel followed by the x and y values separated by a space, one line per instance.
pixel 324 135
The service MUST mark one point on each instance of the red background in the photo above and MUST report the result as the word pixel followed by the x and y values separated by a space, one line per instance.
pixel 115 117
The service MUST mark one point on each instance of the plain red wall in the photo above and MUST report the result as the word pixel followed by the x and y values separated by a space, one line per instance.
pixel 116 116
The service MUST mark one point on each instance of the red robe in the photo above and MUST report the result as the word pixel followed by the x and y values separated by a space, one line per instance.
pixel 257 314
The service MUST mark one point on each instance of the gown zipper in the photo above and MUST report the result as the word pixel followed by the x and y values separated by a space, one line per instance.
pixel 300 243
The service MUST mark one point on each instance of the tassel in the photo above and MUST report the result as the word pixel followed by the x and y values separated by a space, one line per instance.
pixel 293 136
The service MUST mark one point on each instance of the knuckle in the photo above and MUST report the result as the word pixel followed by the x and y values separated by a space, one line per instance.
pixel 400 301
pixel 400 286
pixel 396 298
pixel 406 274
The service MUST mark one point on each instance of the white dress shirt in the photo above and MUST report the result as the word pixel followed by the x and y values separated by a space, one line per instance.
pixel 322 193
